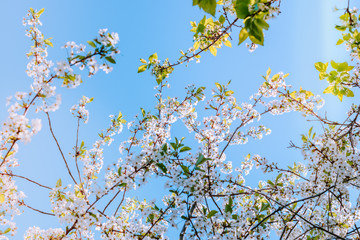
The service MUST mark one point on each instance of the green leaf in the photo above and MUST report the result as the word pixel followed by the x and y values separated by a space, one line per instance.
pixel 213 50
pixel 229 205
pixel 47 42
pixel 208 6
pixel 82 144
pixel 243 35
pixel 7 230
pixel 261 23
pixel 186 170
pixel 343 66
pixel 174 146
pixel 164 147
pixel 264 207
pixel 71 77
pixel 184 149
pixel 270 182
pixel 222 19
pixel 162 167
pixel 110 59
pixel 344 17
pixel 340 28
pixel 242 8
pixel 200 28
pixel 122 184
pixel 340 41
pixel 349 93
pixel 40 12
pixel 256 34
pixel 329 89
pixel 229 93
pixel 218 86
pixel 153 56
pixel 201 160
pixel 268 72
pixel 346 37
pixel 93 215
pixel 211 213
pixel 334 64
pixel 196 45
pixel 321 67
pixel 227 43
pixel 357 36
pixel 143 113
pixel 91 43
pixel 119 171
pixel 142 68
pixel 58 183
pixel 322 75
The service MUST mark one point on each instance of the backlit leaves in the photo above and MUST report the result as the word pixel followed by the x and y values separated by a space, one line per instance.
pixel 208 6
pixel 242 8
pixel 339 78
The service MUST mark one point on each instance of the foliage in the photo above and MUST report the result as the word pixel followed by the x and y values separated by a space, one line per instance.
pixel 206 198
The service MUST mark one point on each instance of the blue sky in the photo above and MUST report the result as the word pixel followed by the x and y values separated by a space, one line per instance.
pixel 302 35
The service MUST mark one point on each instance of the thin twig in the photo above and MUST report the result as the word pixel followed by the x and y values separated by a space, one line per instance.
pixel 37 210
pixel 58 145
pixel 14 175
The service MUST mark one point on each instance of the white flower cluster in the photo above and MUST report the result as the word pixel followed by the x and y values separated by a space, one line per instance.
pixel 207 197
pixel 35 233
pixel 18 127
pixel 71 206
pixel 129 224
pixel 79 111
pixel 108 38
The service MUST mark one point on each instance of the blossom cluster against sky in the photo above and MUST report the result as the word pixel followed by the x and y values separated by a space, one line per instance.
pixel 302 35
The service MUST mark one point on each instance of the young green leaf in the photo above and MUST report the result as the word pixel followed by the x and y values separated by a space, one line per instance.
pixel 222 19
pixel 110 59
pixel 208 6
pixel 242 8
pixel 211 213
pixel 142 68
pixel 261 23
pixel 58 183
pixel 201 160
pixel 213 50
pixel 227 43
pixel 185 170
pixel 243 35
pixel 47 42
pixel 184 149
pixel 40 12
pixel 162 167
pixel 91 43
pixel 321 67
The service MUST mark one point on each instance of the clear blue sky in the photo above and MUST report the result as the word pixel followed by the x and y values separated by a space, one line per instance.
pixel 302 35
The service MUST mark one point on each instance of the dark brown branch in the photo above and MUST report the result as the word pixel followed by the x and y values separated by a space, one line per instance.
pixel 14 175
pixel 37 210
pixel 58 145
pixel 77 150
pixel 160 218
